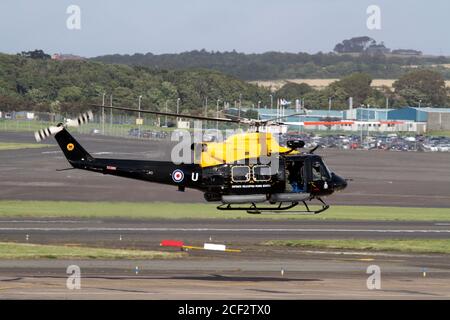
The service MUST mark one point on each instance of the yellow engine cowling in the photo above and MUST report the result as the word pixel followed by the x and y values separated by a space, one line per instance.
pixel 240 147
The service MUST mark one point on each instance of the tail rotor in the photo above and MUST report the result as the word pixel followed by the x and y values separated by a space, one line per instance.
pixel 80 120
pixel 47 132
pixel 83 118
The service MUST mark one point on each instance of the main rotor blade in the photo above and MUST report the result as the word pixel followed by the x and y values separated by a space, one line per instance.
pixel 282 117
pixel 169 114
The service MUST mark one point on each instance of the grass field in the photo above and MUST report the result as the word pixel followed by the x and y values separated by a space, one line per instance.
pixel 17 125
pixel 115 129
pixel 10 250
pixel 16 146
pixel 164 210
pixel 438 133
pixel 122 130
pixel 399 245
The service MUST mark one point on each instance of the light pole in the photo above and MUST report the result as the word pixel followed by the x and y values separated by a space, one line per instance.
pixel 271 102
pixel 361 120
pixel 178 109
pixel 259 105
pixel 278 107
pixel 239 110
pixel 139 106
pixel 103 113
pixel 217 114
pixel 420 102
pixel 167 101
pixel 139 116
pixel 206 106
pixel 329 106
pixel 111 112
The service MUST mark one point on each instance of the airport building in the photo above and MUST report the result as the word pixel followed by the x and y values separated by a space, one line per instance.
pixel 406 119
pixel 312 115
pixel 434 118
pixel 367 114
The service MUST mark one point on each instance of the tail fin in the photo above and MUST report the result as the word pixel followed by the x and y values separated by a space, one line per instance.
pixel 73 151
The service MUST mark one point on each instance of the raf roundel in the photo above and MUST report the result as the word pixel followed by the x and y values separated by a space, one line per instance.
pixel 177 176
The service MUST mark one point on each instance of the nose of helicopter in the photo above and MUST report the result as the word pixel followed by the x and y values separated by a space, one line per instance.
pixel 338 183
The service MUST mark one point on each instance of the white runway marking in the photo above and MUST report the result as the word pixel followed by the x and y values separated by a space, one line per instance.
pixel 392 195
pixel 363 253
pixel 47 221
pixel 94 229
pixel 32 184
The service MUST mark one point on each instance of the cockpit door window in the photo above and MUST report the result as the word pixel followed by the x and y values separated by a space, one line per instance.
pixel 262 173
pixel 240 174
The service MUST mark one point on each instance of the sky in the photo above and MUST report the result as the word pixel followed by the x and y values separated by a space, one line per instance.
pixel 250 26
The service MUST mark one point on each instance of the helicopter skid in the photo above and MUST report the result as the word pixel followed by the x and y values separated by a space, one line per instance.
pixel 254 209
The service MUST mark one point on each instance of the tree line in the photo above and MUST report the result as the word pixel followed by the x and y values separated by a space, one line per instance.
pixel 280 65
pixel 425 88
pixel 42 84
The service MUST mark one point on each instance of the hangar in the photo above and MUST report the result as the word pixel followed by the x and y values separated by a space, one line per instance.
pixel 435 118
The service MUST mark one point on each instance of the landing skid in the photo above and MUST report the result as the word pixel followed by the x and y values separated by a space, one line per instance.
pixel 254 209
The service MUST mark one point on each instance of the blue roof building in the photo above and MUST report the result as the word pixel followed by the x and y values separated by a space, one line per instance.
pixel 313 115
pixel 414 114
pixel 367 114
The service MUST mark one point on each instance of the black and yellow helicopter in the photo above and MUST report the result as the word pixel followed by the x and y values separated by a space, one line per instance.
pixel 238 172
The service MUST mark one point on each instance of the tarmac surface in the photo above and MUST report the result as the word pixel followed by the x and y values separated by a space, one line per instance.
pixel 238 232
pixel 305 278
pixel 258 271
pixel 254 273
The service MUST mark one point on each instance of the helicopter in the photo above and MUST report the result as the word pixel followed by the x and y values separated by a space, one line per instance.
pixel 248 171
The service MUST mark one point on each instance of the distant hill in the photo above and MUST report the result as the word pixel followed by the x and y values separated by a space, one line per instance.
pixel 279 65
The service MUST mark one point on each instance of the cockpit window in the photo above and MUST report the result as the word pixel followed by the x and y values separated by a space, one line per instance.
pixel 319 171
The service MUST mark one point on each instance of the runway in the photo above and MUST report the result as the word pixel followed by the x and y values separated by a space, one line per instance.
pixel 258 271
pixel 238 231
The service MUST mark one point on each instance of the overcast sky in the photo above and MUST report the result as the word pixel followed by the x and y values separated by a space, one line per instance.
pixel 170 26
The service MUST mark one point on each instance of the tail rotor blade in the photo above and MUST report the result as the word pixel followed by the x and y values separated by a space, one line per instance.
pixel 81 119
pixel 50 131
pixel 47 132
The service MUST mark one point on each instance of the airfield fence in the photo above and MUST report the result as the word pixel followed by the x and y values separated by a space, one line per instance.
pixel 120 125
pixel 117 125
